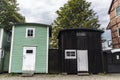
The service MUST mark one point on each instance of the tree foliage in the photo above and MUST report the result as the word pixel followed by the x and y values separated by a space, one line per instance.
pixel 74 14
pixel 9 13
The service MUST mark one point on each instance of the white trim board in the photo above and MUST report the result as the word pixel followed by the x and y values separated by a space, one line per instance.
pixel 1 37
pixel 115 50
pixel 11 50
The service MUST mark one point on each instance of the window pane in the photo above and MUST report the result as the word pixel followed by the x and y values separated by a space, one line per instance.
pixel 28 33
pixel 68 53
pixel 72 53
pixel 31 31
pixel 29 51
pixel 118 11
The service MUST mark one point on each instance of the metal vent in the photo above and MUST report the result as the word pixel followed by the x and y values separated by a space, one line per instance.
pixel 80 34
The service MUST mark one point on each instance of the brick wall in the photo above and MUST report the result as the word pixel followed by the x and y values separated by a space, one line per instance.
pixel 114 24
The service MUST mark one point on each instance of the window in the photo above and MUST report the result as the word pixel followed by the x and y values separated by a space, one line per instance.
pixel 118 11
pixel 70 54
pixel 118 32
pixel 30 32
pixel 29 51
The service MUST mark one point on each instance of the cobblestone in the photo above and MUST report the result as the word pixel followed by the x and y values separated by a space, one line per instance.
pixel 60 77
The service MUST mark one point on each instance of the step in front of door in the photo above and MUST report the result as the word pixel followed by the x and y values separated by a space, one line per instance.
pixel 83 74
pixel 27 73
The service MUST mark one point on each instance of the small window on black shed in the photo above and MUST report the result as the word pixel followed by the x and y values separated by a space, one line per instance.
pixel 70 54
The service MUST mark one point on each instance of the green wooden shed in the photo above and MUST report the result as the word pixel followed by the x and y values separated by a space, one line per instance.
pixel 29 48
pixel 5 38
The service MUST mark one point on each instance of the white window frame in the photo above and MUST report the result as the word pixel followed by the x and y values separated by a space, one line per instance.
pixel 70 57
pixel 116 11
pixel 118 31
pixel 27 32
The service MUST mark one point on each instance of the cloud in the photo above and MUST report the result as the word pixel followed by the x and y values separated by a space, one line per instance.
pixel 101 7
pixel 43 11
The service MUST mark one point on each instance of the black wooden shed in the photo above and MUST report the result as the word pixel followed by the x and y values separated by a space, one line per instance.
pixel 112 61
pixel 80 51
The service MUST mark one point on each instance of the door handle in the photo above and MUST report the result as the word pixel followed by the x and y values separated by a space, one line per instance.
pixel 24 56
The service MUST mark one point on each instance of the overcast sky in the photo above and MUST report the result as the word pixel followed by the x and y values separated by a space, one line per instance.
pixel 43 11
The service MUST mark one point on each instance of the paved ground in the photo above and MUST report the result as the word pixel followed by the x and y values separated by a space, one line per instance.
pixel 60 77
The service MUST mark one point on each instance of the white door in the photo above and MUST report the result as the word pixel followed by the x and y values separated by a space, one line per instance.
pixel 82 60
pixel 29 58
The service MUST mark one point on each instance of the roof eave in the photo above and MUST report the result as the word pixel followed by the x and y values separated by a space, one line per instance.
pixel 108 26
pixel 110 7
pixel 31 24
